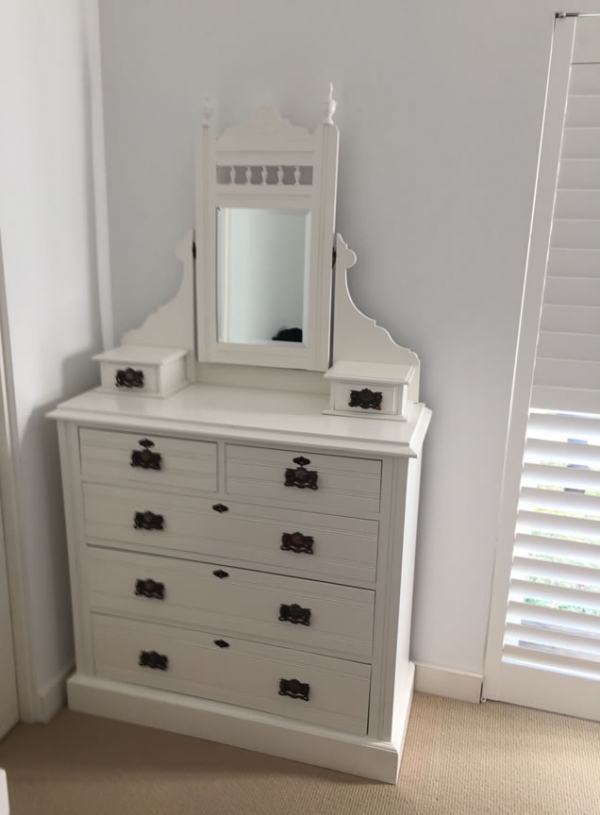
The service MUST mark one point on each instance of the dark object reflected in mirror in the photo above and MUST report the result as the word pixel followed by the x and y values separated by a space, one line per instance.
pixel 289 335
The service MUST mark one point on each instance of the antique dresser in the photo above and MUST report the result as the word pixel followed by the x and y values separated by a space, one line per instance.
pixel 241 491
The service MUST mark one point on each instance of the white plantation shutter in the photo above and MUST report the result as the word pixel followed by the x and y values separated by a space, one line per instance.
pixel 551 631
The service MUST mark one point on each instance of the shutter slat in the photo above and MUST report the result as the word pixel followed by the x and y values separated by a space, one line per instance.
pixel 526 545
pixel 572 478
pixel 563 620
pixel 573 262
pixel 575 234
pixel 565 399
pixel 579 204
pixel 542 451
pixel 583 111
pixel 584 79
pixel 582 646
pixel 587 579
pixel 581 142
pixel 563 526
pixel 521 590
pixel 567 373
pixel 579 174
pixel 571 319
pixel 560 427
pixel 573 291
pixel 572 503
pixel 557 345
pixel 552 661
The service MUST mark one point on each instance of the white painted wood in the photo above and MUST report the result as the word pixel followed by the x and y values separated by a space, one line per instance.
pixel 106 456
pixel 239 727
pixel 225 178
pixel 4 805
pixel 243 602
pixel 163 369
pixel 245 673
pixel 53 697
pixel 344 549
pixel 9 708
pixel 358 338
pixel 172 325
pixel 452 684
pixel 392 381
pixel 345 486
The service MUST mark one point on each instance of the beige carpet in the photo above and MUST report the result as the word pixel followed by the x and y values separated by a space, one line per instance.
pixel 460 759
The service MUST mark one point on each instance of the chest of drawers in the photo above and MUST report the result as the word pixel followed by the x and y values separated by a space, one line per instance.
pixel 241 576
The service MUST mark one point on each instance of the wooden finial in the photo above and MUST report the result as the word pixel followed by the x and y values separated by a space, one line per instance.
pixel 330 106
pixel 207 112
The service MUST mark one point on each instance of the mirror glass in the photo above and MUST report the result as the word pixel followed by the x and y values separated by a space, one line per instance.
pixel 263 262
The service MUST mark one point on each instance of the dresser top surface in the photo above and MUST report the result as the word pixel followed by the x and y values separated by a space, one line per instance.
pixel 269 416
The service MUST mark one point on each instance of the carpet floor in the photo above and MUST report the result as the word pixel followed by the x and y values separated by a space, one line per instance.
pixel 459 759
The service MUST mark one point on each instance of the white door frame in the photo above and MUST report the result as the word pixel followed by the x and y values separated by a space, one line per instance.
pixel 15 556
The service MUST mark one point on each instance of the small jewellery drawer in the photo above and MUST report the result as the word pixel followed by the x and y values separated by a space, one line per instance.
pixel 151 460
pixel 336 484
pixel 321 546
pixel 289 611
pixel 320 690
pixel 143 370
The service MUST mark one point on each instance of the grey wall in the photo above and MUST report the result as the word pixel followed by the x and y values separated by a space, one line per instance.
pixel 440 112
pixel 48 241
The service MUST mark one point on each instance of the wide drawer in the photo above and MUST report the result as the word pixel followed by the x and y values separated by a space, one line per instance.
pixel 318 545
pixel 325 483
pixel 316 689
pixel 152 460
pixel 289 611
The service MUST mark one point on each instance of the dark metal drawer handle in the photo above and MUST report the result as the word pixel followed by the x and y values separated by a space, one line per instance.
pixel 301 461
pixel 366 399
pixel 294 614
pixel 129 378
pixel 302 478
pixel 220 508
pixel 148 520
pixel 145 458
pixel 294 688
pixel 222 643
pixel 154 660
pixel 150 588
pixel 297 542
pixel 221 574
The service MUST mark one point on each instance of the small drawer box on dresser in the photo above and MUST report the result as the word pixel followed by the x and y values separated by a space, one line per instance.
pixel 143 370
pixel 293 612
pixel 309 687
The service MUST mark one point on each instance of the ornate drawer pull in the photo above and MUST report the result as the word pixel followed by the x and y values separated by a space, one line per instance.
pixel 294 614
pixel 302 478
pixel 145 458
pixel 366 399
pixel 150 588
pixel 294 688
pixel 220 508
pixel 128 378
pixel 148 520
pixel 220 574
pixel 154 660
pixel 297 542
pixel 301 461
pixel 222 643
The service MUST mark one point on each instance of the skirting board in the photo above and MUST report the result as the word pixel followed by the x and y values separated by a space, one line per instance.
pixel 236 726
pixel 53 697
pixel 444 682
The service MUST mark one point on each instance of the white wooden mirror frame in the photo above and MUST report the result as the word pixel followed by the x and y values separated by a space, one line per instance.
pixel 244 167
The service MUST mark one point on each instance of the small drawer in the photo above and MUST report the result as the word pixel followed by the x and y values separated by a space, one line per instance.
pixel 324 483
pixel 315 545
pixel 311 688
pixel 372 390
pixel 384 400
pixel 143 370
pixel 153 460
pixel 288 611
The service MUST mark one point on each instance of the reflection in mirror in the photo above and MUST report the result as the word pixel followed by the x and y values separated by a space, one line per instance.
pixel 263 261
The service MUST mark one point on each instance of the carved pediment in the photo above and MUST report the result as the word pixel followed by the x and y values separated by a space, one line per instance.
pixel 267 122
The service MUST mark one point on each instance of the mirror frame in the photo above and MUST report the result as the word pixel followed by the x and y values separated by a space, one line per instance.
pixel 267 140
